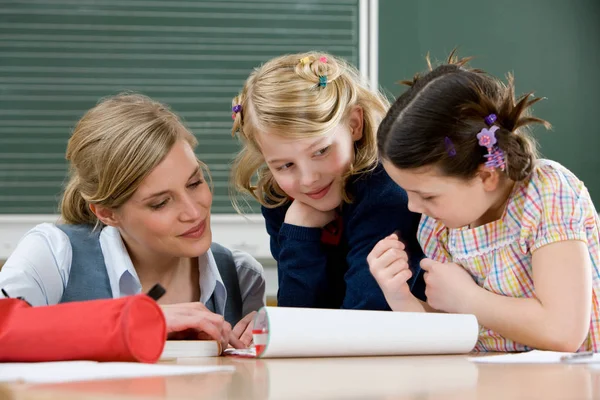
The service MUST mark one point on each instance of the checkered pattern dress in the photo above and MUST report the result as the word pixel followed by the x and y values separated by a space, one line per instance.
pixel 551 206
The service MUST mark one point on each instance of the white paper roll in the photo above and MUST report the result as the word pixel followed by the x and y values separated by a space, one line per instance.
pixel 306 332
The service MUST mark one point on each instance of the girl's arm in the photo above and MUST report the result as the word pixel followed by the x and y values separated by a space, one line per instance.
pixel 378 210
pixel 301 262
pixel 558 314
pixel 558 317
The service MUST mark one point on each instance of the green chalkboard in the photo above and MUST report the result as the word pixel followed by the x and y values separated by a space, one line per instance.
pixel 58 57
pixel 551 46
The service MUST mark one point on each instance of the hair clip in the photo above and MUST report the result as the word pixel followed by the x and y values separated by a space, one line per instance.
pixel 323 81
pixel 450 149
pixel 305 60
pixel 236 109
pixel 495 159
pixel 490 119
pixel 487 138
pixel 323 59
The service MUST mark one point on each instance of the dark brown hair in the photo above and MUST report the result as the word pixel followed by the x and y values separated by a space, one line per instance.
pixel 448 106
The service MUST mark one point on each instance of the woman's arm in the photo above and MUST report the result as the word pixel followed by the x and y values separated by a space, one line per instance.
pixel 38 268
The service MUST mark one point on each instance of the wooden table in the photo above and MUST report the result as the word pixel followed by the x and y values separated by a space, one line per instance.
pixel 419 378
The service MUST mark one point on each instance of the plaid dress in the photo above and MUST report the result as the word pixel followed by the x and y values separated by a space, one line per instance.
pixel 551 206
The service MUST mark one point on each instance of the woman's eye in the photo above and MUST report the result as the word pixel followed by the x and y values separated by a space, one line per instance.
pixel 159 205
pixel 194 185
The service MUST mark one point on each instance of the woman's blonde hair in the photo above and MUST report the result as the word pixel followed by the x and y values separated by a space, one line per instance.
pixel 300 96
pixel 114 146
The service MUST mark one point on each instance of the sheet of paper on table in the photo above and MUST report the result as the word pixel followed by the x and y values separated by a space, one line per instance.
pixel 71 371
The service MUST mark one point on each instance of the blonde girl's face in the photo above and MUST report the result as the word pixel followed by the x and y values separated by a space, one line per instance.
pixel 310 170
pixel 169 214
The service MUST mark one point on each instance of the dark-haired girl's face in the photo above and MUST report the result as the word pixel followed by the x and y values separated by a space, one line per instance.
pixel 455 202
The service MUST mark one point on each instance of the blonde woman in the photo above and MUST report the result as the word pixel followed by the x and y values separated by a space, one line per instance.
pixel 136 212
pixel 308 124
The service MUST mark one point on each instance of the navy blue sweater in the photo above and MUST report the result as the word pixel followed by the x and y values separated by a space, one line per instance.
pixel 313 273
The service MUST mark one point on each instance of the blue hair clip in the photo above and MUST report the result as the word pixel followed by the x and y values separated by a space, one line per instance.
pixel 323 81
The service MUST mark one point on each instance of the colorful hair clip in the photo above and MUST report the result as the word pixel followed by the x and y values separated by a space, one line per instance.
pixel 495 159
pixel 305 60
pixel 487 138
pixel 236 109
pixel 323 81
pixel 323 59
pixel 450 149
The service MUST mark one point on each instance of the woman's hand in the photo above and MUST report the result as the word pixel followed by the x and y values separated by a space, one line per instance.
pixel 241 335
pixel 195 321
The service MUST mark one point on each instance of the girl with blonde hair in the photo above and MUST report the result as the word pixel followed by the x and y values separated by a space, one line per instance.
pixel 136 212
pixel 307 123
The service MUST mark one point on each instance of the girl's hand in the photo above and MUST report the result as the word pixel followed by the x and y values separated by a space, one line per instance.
pixel 449 287
pixel 388 262
pixel 301 214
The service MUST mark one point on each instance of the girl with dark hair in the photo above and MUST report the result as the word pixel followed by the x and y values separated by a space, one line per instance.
pixel 508 237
